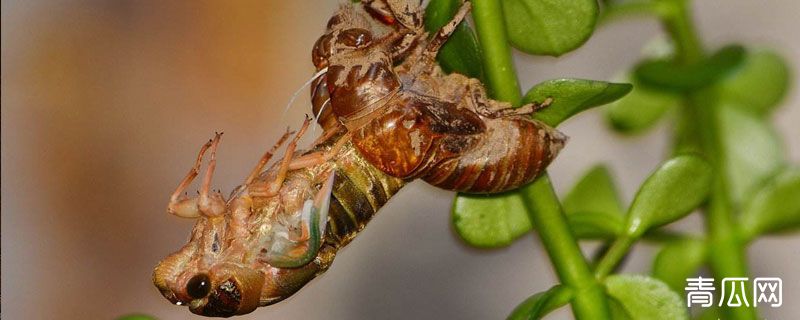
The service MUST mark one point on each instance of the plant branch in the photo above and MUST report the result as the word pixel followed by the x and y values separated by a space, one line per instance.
pixel 615 254
pixel 540 200
pixel 727 255
pixel 571 267
pixel 497 61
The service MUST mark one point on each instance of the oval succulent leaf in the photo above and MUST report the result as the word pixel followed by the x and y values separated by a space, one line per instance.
pixel 640 110
pixel 595 225
pixel 776 207
pixel 571 96
pixel 668 75
pixel 645 298
pixel 490 221
pixel 752 150
pixel 676 188
pixel 679 260
pixel 542 303
pixel 460 53
pixel 549 27
pixel 759 84
pixel 594 192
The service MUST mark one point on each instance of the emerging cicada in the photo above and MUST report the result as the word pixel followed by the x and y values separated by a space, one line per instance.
pixel 390 115
pixel 276 232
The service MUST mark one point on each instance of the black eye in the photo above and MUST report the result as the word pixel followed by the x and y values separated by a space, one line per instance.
pixel 198 286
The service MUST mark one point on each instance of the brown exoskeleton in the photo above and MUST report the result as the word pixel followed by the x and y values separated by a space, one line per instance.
pixel 410 119
pixel 393 116
pixel 278 230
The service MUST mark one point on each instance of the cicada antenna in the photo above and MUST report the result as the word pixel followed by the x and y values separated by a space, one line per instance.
pixel 296 93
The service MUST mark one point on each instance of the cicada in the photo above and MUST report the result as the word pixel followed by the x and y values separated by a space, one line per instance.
pixel 389 116
pixel 281 228
pixel 410 119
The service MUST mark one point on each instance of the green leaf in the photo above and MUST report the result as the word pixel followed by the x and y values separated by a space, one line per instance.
pixel 542 303
pixel 752 150
pixel 676 188
pixel 549 27
pixel 490 221
pixel 460 53
pixel 759 84
pixel 668 75
pixel 592 206
pixel 640 110
pixel 679 260
pixel 776 207
pixel 645 298
pixel 595 225
pixel 595 192
pixel 571 96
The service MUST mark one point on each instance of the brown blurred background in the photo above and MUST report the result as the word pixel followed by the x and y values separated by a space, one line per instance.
pixel 105 103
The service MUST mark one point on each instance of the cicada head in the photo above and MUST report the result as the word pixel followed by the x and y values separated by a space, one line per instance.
pixel 232 267
pixel 201 278
pixel 347 31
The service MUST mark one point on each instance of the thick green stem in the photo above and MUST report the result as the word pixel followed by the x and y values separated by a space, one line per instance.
pixel 497 62
pixel 541 201
pixel 571 267
pixel 727 256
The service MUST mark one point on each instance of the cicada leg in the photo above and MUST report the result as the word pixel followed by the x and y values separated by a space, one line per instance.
pixel 316 158
pixel 266 157
pixel 427 57
pixel 407 13
pixel 272 187
pixel 481 103
pixel 207 203
pixel 292 252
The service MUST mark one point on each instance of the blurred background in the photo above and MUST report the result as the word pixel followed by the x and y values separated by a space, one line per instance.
pixel 105 104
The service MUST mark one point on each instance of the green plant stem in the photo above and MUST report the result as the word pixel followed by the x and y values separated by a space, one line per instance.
pixel 497 61
pixel 727 255
pixel 571 267
pixel 615 254
pixel 680 26
pixel 540 200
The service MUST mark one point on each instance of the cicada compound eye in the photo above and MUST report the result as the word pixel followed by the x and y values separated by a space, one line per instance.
pixel 198 286
pixel 355 37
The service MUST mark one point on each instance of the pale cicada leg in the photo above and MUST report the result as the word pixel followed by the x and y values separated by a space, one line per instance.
pixel 266 157
pixel 179 204
pixel 208 203
pixel 292 252
pixel 316 158
pixel 273 187
pixel 211 204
